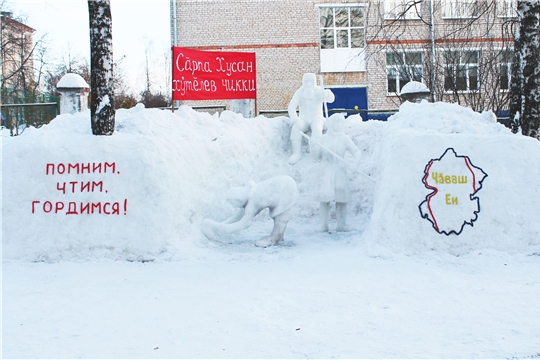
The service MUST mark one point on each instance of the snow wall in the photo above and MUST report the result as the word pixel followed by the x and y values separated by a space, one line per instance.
pixel 143 192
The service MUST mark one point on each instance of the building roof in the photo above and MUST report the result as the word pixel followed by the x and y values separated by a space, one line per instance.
pixel 17 24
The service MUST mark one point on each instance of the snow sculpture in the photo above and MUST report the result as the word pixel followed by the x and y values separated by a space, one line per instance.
pixel 414 92
pixel 309 98
pixel 279 194
pixel 334 180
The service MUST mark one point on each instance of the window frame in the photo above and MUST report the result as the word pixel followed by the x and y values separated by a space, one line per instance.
pixel 397 7
pixel 508 65
pixel 467 66
pixel 509 9
pixel 336 28
pixel 453 4
pixel 336 58
pixel 409 67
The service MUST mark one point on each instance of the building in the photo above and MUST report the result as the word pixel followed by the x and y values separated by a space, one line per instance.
pixel 17 67
pixel 18 96
pixel 365 51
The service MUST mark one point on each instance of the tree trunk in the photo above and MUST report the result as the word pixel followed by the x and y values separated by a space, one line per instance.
pixel 529 36
pixel 516 84
pixel 101 64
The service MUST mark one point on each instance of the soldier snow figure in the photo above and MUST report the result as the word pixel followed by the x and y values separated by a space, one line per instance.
pixel 333 178
pixel 309 98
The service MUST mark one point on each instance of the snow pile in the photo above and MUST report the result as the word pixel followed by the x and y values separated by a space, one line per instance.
pixel 443 118
pixel 152 183
pixel 169 170
pixel 419 133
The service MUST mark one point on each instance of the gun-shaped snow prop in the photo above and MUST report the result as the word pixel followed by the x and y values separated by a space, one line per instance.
pixel 334 154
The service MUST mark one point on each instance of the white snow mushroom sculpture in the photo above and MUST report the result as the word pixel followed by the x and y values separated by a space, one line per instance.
pixel 309 98
pixel 279 194
pixel 334 180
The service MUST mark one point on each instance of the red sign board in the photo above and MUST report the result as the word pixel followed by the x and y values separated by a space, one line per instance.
pixel 213 75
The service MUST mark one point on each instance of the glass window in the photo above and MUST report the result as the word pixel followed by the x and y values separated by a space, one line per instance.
pixel 505 69
pixel 507 8
pixel 391 74
pixel 401 68
pixel 326 17
pixel 461 71
pixel 357 38
pixel 413 58
pixel 357 17
pixel 402 9
pixel 342 17
pixel 473 78
pixel 327 38
pixel 342 33
pixel 468 57
pixel 460 8
pixel 342 38
pixel 342 27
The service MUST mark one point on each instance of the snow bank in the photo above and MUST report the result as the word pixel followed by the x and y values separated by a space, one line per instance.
pixel 419 133
pixel 162 174
pixel 168 168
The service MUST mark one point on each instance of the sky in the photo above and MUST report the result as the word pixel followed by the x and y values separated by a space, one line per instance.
pixel 137 25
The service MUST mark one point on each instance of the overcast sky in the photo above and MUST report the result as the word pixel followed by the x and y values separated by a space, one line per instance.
pixel 136 25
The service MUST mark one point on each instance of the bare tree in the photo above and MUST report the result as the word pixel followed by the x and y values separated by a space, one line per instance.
pixel 102 104
pixel 526 70
pixel 458 49
pixel 67 64
pixel 18 56
pixel 150 96
pixel 123 96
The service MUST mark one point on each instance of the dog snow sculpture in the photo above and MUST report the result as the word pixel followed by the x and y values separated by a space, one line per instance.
pixel 279 194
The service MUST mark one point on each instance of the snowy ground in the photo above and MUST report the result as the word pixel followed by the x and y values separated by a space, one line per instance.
pixel 316 298
pixel 148 284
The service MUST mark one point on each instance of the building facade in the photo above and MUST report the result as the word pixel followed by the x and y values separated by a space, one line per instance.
pixel 364 51
pixel 17 67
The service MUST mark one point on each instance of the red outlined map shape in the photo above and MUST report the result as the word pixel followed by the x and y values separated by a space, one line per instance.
pixel 454 181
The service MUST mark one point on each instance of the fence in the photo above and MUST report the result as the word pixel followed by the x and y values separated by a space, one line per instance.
pixel 365 114
pixel 383 115
pixel 21 109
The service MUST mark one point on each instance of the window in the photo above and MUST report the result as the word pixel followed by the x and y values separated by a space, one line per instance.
pixel 342 27
pixel 459 9
pixel 505 66
pixel 342 38
pixel 401 9
pixel 507 8
pixel 461 71
pixel 402 67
